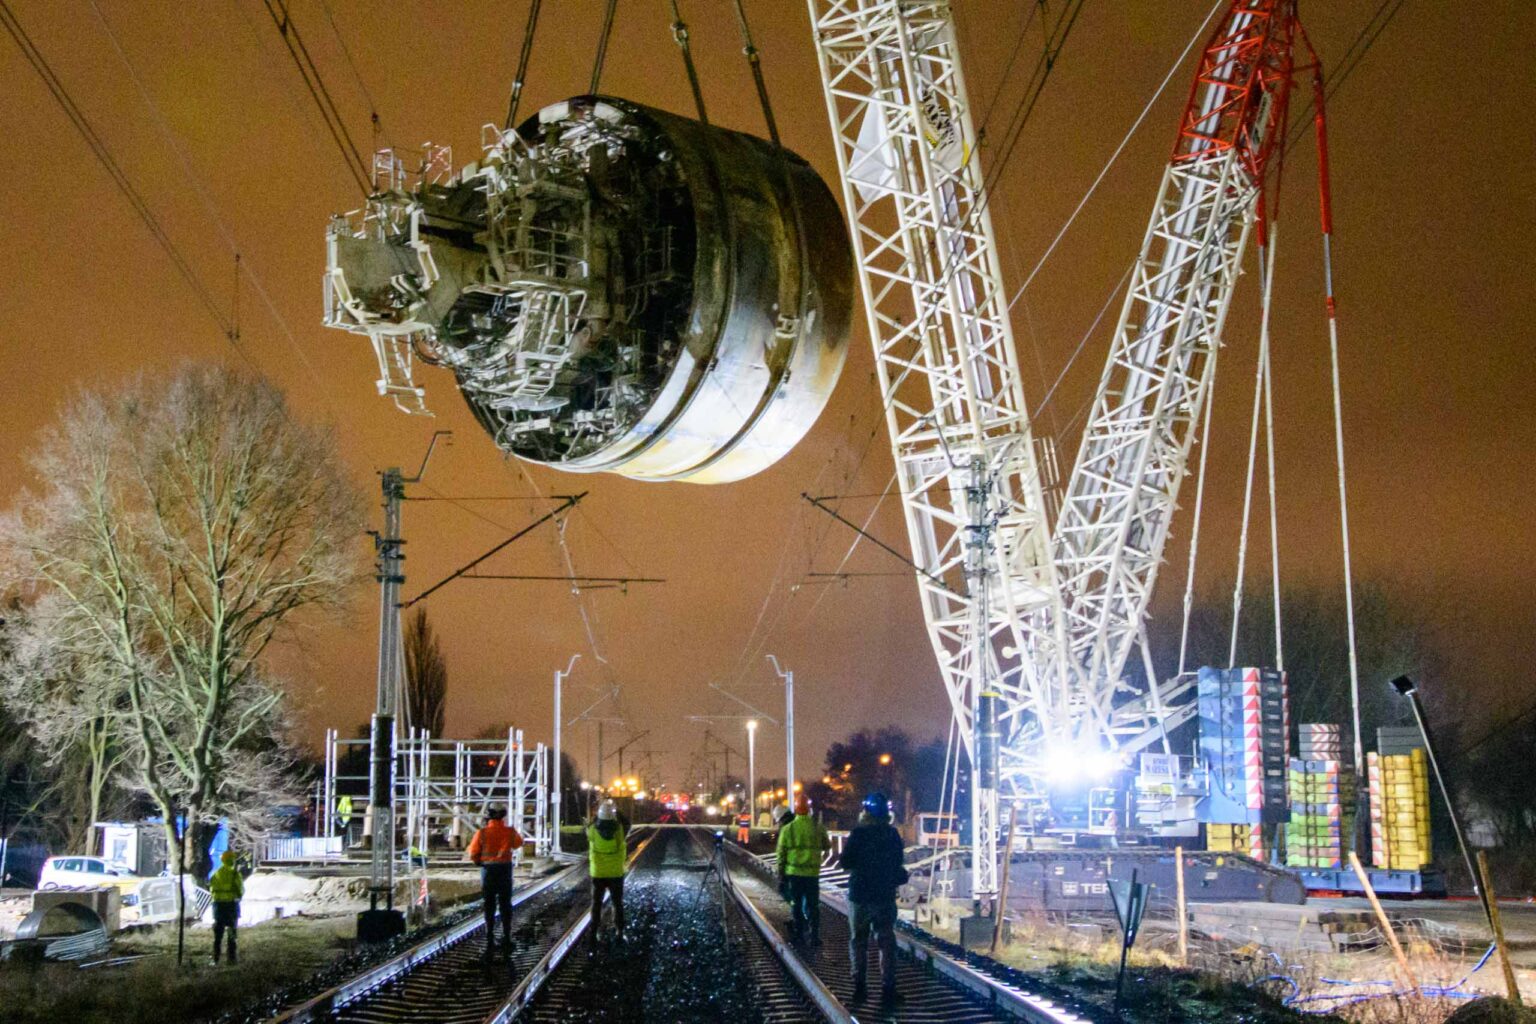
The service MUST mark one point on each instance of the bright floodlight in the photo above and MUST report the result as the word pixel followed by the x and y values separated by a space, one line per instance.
pixel 1074 763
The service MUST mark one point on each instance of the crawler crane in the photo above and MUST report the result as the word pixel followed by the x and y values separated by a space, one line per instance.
pixel 1034 621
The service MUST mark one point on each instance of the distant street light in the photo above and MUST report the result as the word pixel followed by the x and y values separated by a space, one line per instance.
pixel 885 759
pixel 789 718
pixel 752 762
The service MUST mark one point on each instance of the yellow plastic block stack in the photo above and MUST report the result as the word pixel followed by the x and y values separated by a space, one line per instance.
pixel 1399 786
pixel 1244 839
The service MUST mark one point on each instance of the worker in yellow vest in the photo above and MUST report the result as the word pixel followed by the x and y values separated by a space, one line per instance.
pixel 228 889
pixel 343 815
pixel 606 856
pixel 803 841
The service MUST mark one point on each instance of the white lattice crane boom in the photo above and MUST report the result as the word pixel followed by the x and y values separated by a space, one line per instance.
pixel 1039 621
pixel 1123 490
pixel 970 476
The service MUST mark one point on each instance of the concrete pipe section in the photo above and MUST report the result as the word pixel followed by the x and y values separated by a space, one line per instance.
pixel 615 288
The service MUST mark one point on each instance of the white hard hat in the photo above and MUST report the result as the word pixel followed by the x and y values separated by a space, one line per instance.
pixel 607 811
pixel 782 812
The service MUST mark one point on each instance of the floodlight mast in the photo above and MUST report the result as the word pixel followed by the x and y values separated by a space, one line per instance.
pixel 1036 623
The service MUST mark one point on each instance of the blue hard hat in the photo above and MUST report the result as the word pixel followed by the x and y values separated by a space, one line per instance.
pixel 877 806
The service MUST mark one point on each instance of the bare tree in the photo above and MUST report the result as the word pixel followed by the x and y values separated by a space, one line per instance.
pixel 71 712
pixel 426 675
pixel 1393 634
pixel 177 532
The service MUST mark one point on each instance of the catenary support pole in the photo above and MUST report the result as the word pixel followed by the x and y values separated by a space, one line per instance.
pixel 751 769
pixel 372 924
pixel 559 729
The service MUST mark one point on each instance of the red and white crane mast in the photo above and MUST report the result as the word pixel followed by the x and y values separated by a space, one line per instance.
pixel 1123 489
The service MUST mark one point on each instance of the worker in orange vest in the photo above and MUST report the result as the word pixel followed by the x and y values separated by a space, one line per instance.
pixel 491 850
pixel 744 828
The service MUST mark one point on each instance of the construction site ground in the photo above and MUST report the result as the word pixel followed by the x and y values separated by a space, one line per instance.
pixel 297 932
pixel 1443 941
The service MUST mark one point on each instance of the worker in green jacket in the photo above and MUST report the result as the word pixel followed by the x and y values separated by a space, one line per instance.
pixel 606 856
pixel 228 888
pixel 802 842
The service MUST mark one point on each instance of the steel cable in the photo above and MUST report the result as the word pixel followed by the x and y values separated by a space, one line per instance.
pixel 680 34
pixel 522 64
pixel 602 45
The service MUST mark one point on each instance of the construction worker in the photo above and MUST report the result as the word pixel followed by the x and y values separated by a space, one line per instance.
pixel 343 815
pixel 782 816
pixel 802 842
pixel 228 888
pixel 606 855
pixel 491 849
pixel 744 827
pixel 872 856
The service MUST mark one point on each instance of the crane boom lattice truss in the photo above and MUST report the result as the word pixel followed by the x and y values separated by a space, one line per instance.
pixel 1037 622
pixel 1124 486
pixel 971 478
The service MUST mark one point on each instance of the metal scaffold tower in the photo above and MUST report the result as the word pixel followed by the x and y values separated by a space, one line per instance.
pixel 442 787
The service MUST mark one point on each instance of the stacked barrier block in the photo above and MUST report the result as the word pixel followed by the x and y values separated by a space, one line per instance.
pixel 1322 798
pixel 1399 794
pixel 1244 839
pixel 1244 744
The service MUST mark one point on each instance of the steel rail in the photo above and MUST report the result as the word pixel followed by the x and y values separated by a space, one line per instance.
pixel 328 1002
pixel 517 1001
pixel 996 993
pixel 813 987
pixel 1000 994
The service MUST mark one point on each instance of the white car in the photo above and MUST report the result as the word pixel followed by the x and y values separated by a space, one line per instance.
pixel 68 872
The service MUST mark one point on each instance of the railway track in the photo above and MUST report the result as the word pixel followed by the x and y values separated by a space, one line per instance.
pixel 692 952
pixel 448 978
pixel 704 942
pixel 935 985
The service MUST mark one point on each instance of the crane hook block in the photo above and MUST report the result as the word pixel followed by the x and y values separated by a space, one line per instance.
pixel 615 289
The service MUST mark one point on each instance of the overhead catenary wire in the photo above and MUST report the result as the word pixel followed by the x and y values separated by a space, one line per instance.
pixel 120 178
pixel 1348 62
pixel 357 76
pixel 1178 62
pixel 1002 81
pixel 522 64
pixel 568 502
pixel 205 197
pixel 358 167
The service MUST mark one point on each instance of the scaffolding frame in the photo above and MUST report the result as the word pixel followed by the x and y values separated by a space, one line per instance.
pixel 442 787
